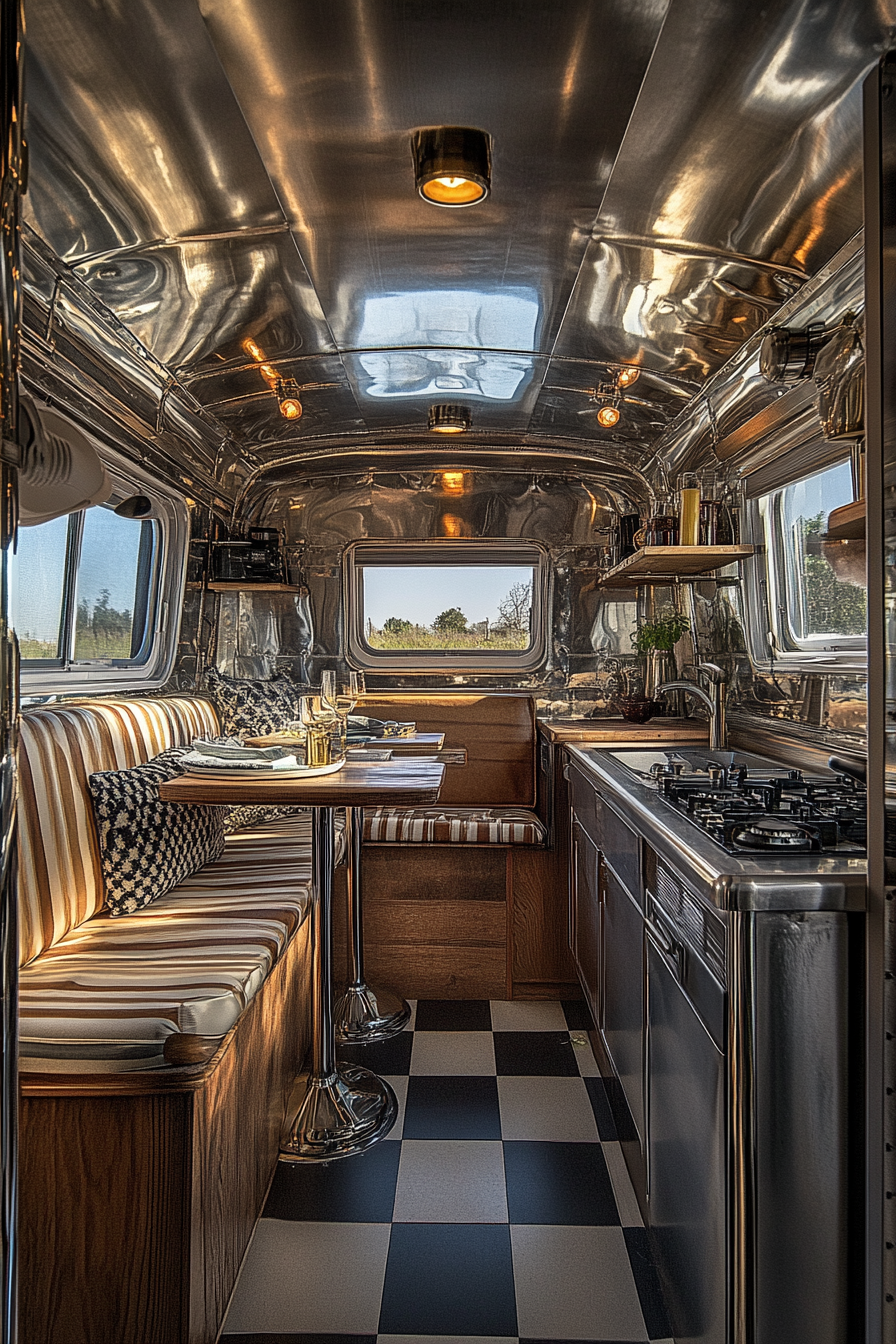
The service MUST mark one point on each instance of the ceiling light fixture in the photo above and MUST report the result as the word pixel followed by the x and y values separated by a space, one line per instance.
pixel 626 377
pixel 608 415
pixel 449 419
pixel 288 399
pixel 452 165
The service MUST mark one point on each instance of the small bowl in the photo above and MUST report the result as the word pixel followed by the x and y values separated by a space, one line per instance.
pixel 637 708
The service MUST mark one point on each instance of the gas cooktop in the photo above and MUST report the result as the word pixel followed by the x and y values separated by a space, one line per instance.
pixel 752 806
pixel 747 812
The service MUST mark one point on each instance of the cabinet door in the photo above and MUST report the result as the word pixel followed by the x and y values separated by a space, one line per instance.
pixel 686 1157
pixel 623 991
pixel 584 915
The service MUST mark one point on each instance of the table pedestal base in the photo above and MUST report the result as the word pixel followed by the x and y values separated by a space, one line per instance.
pixel 364 1014
pixel 337 1116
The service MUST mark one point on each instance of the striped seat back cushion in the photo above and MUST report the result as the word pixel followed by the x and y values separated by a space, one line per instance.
pixel 60 878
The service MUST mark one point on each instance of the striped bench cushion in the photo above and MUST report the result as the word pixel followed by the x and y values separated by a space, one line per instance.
pixel 453 825
pixel 60 880
pixel 113 991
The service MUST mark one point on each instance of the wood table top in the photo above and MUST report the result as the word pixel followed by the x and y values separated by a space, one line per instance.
pixel 409 782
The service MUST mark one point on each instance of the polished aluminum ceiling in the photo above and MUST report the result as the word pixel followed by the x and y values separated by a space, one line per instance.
pixel 665 175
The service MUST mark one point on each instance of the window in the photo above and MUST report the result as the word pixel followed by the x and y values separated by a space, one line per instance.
pixel 90 594
pixel 458 606
pixel 814 587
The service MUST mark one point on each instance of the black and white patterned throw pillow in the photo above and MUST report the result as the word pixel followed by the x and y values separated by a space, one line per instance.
pixel 252 707
pixel 147 846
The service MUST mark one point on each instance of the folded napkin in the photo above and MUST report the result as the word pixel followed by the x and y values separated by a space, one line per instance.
pixel 204 760
pixel 231 749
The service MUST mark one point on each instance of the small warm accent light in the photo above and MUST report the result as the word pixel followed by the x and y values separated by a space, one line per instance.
pixel 453 482
pixel 252 350
pixel 449 419
pixel 288 399
pixel 608 416
pixel 453 165
pixel 628 376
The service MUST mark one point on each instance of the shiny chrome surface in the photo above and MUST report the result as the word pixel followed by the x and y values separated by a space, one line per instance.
pixel 335 1109
pixel 363 1014
pixel 12 170
pixel 665 177
pixel 730 882
pixel 880 946
pixel 791 1076
pixel 714 699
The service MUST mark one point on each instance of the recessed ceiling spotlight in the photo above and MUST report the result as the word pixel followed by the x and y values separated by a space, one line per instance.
pixel 448 419
pixel 452 165
pixel 288 399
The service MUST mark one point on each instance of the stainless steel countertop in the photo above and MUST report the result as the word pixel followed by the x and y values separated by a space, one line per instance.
pixel 729 882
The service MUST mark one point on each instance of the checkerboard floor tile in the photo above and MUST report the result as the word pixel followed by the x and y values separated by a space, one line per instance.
pixel 498 1210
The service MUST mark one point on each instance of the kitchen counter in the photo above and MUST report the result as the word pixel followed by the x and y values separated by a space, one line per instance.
pixel 729 881
pixel 691 732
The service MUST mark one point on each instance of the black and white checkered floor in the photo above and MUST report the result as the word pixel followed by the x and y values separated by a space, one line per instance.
pixel 499 1208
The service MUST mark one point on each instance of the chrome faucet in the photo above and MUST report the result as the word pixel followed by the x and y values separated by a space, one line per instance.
pixel 714 700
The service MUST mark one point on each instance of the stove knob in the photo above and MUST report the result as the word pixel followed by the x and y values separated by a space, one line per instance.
pixel 715 773
pixel 794 776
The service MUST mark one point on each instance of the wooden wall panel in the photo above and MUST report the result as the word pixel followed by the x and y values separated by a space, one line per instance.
pixel 236 1135
pixel 104 1219
pixel 427 972
pixel 456 949
pixel 136 1209
pixel 540 955
pixel 434 873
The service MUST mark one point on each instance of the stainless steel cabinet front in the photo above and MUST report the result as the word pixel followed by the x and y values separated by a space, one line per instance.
pixel 585 916
pixel 623 992
pixel 686 1153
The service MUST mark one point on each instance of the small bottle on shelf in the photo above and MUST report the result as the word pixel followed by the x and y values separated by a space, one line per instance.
pixel 689 511
pixel 709 510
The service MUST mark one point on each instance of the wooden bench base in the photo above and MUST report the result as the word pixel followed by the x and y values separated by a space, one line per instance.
pixel 139 1192
pixel 477 922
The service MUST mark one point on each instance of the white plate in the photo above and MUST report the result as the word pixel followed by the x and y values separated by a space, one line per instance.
pixel 299 772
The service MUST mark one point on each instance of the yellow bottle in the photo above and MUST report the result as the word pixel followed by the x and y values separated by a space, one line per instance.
pixel 689 512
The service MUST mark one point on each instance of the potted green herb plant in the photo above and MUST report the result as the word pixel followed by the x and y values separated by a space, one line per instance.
pixel 655 640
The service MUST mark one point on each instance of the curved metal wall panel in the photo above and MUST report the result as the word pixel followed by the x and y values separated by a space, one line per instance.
pixel 135 134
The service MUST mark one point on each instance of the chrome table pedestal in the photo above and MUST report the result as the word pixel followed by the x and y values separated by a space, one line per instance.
pixel 363 1014
pixel 340 1109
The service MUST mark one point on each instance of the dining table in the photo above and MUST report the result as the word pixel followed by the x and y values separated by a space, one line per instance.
pixel 337 1108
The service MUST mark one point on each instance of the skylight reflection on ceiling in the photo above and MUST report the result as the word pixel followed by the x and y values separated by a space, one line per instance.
pixel 468 320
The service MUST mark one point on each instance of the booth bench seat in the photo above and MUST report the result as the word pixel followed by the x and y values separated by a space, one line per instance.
pixel 463 913
pixel 158 1047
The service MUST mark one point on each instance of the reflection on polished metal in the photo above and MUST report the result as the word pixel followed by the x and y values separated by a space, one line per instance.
pixel 11 182
pixel 449 419
pixel 453 165
pixel 788 353
pixel 341 1109
pixel 363 1014
pixel 714 700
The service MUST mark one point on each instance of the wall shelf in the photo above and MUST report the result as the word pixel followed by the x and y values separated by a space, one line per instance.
pixel 653 564
pixel 220 586
pixel 847 523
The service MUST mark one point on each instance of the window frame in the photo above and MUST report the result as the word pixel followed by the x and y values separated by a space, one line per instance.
pixel 491 551
pixel 771 641
pixel 152 665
